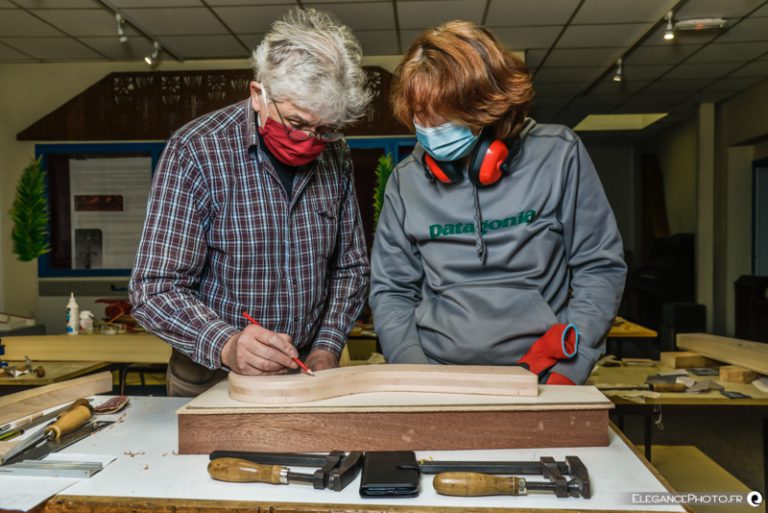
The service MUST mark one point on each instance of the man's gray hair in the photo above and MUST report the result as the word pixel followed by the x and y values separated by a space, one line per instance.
pixel 314 61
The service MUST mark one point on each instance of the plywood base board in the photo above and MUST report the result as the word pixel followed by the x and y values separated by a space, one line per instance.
pixel 560 416
pixel 417 431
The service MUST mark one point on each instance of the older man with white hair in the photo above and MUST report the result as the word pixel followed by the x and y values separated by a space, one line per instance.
pixel 253 209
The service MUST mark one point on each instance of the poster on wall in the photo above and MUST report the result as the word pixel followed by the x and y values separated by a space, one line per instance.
pixel 108 202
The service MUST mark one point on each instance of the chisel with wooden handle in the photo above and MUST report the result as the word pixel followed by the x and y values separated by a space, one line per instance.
pixel 78 414
pixel 238 470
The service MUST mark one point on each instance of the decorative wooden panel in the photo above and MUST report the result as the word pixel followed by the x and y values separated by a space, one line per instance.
pixel 152 105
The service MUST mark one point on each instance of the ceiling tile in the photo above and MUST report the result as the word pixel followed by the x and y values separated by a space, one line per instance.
pixel 646 72
pixel 671 54
pixel 751 29
pixel 156 3
pixel 753 69
pixel 552 101
pixel 251 40
pixel 506 13
pixel 8 54
pixel 611 11
pixel 426 14
pixel 700 71
pixel 81 22
pixel 626 87
pixel 710 96
pixel 544 114
pixel 523 38
pixel 251 20
pixel 136 48
pixel 182 21
pixel 586 74
pixel 564 57
pixel 57 4
pixel 378 42
pixel 364 16
pixel 533 58
pixel 206 47
pixel 559 89
pixel 649 103
pixel 763 11
pixel 214 3
pixel 601 36
pixel 19 23
pixel 731 52
pixel 675 86
pixel 53 48
pixel 592 100
pixel 734 84
pixel 716 8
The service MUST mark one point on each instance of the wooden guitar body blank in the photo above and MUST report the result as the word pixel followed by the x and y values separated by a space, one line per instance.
pixel 446 379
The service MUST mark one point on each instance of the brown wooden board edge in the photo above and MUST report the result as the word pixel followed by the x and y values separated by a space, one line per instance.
pixel 89 385
pixel 90 504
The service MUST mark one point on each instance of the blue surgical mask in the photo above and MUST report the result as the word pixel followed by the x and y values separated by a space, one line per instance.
pixel 449 141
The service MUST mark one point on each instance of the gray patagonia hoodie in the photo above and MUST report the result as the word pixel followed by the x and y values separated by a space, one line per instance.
pixel 466 275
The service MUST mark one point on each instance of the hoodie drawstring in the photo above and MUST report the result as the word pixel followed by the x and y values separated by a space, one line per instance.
pixel 479 241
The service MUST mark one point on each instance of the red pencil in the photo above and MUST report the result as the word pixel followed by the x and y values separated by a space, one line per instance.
pixel 298 362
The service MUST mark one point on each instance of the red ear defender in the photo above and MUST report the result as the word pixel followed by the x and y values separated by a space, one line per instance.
pixel 435 169
pixel 490 168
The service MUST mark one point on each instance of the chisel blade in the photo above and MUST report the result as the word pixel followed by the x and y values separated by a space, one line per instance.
pixel 43 450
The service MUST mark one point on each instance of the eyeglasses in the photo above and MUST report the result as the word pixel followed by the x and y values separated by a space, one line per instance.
pixel 305 132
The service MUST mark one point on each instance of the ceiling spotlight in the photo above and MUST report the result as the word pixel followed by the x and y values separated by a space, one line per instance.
pixel 669 33
pixel 618 75
pixel 151 60
pixel 121 28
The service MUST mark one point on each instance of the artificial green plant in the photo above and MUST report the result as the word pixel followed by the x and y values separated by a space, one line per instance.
pixel 29 214
pixel 383 170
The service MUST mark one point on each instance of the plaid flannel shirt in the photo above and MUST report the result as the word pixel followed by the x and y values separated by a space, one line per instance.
pixel 222 237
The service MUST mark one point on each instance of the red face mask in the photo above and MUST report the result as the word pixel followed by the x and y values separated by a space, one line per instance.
pixel 286 150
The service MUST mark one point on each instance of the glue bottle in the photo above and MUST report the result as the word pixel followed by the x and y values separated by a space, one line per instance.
pixel 73 316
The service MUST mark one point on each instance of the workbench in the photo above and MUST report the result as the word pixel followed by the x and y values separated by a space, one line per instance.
pixel 710 403
pixel 55 372
pixel 623 331
pixel 148 475
pixel 140 348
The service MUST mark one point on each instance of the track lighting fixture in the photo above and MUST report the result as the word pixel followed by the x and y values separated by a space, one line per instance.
pixel 618 75
pixel 122 37
pixel 669 33
pixel 151 60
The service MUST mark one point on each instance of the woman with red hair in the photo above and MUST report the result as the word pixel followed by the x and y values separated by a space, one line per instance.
pixel 496 244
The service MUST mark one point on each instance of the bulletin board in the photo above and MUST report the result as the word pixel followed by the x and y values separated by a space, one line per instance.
pixel 97 197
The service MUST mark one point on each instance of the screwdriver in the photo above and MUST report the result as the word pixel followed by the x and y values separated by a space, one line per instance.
pixel 78 414
pixel 238 470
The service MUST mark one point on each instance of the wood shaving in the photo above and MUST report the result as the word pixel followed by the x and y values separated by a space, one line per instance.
pixel 133 453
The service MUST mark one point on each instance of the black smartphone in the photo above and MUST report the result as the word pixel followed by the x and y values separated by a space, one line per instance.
pixel 389 474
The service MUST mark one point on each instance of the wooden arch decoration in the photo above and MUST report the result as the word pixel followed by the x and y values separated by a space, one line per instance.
pixel 152 105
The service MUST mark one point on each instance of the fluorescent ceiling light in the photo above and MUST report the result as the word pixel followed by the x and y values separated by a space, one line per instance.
pixel 605 122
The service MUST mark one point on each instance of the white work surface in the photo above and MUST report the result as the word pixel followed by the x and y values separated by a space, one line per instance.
pixel 145 443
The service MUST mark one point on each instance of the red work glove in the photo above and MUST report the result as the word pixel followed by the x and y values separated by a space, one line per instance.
pixel 560 342
pixel 558 379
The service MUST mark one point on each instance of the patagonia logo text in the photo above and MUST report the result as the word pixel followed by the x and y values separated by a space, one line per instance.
pixel 440 230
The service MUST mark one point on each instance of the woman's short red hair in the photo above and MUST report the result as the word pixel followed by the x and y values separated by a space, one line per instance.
pixel 459 71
